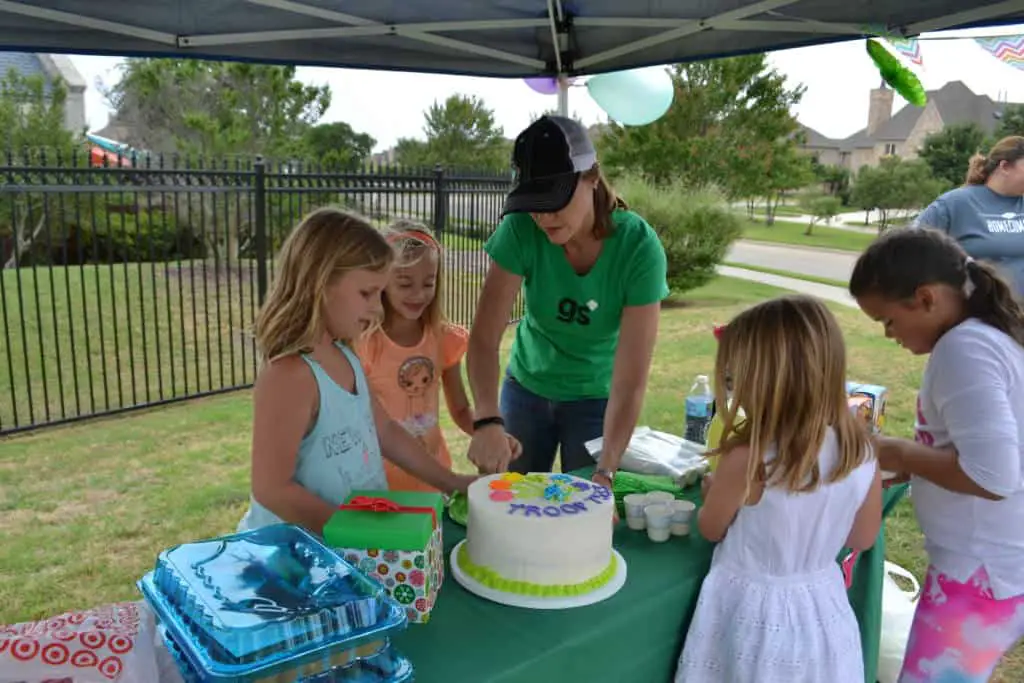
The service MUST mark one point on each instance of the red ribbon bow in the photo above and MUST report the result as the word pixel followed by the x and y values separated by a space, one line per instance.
pixel 369 504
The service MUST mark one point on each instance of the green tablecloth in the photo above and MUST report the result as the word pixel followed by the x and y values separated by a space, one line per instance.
pixel 636 635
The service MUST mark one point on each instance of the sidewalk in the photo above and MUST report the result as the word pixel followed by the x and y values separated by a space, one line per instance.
pixel 826 292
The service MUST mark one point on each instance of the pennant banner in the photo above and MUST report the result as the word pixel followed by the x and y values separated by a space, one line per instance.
pixel 909 48
pixel 1007 49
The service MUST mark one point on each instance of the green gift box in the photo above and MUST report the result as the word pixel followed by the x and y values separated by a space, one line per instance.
pixel 394 537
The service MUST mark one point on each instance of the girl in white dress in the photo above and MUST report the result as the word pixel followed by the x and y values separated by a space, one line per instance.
pixel 796 482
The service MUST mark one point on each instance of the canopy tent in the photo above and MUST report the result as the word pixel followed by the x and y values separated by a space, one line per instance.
pixel 505 38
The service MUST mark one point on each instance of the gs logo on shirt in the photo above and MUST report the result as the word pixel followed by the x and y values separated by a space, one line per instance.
pixel 571 311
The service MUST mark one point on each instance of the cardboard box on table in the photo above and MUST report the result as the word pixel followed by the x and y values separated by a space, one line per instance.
pixel 867 402
pixel 394 537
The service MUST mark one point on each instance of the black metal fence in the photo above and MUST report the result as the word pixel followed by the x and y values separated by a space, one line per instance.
pixel 135 283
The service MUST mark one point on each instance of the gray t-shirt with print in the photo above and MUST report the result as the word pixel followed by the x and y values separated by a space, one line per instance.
pixel 989 226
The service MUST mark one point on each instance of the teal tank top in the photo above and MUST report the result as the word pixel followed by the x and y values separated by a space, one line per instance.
pixel 341 453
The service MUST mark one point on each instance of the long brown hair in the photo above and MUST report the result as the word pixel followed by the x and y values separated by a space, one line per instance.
pixel 981 166
pixel 327 243
pixel 896 264
pixel 606 201
pixel 785 360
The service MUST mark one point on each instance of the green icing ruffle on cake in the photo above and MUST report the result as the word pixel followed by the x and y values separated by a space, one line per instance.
pixel 492 579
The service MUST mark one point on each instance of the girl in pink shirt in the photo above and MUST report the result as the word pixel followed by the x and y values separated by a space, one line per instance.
pixel 415 351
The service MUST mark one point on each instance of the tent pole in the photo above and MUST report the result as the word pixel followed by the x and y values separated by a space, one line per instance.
pixel 563 96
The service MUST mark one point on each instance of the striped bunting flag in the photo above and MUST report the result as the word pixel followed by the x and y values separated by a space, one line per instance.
pixel 1007 49
pixel 909 48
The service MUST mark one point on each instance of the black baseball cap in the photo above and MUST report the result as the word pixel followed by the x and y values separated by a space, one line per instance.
pixel 548 158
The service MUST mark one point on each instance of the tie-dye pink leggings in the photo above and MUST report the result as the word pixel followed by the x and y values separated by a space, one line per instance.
pixel 960 631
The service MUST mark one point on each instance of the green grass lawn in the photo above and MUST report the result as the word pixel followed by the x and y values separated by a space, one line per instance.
pixel 86 339
pixel 84 509
pixel 786 232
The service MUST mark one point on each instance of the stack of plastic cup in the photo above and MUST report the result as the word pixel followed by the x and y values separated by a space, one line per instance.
pixel 635 504
pixel 682 513
pixel 659 522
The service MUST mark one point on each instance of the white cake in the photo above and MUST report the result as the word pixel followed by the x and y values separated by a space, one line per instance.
pixel 540 534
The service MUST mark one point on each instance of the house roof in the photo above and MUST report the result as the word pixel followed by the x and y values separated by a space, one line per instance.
pixel 38 63
pixel 813 138
pixel 955 102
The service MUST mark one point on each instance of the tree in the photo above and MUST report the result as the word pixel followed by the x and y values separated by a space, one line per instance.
pixel 820 207
pixel 895 185
pixel 461 133
pixel 337 146
pixel 216 108
pixel 1011 122
pixel 774 168
pixel 836 179
pixel 32 130
pixel 553 112
pixel 726 113
pixel 948 151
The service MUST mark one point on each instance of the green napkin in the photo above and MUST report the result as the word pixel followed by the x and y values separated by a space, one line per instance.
pixel 458 508
pixel 630 482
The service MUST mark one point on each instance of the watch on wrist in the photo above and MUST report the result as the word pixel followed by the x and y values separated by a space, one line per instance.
pixel 486 421
pixel 607 474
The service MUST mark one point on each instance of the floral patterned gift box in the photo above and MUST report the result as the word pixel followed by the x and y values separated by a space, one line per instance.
pixel 394 537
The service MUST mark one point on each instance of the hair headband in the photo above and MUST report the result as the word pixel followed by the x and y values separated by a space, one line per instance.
pixel 418 235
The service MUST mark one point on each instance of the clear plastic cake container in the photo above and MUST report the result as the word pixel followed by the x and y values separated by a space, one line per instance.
pixel 383 665
pixel 249 605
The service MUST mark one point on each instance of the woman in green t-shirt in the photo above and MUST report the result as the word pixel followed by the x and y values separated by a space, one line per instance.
pixel 593 274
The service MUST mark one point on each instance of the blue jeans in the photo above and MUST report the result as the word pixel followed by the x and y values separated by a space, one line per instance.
pixel 542 426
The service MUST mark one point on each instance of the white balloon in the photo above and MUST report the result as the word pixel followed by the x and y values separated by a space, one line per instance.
pixel 635 97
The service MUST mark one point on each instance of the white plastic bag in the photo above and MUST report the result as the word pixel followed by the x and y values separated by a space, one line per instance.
pixel 897 616
pixel 660 453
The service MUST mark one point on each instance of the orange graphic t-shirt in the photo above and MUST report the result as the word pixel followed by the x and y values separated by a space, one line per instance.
pixel 407 382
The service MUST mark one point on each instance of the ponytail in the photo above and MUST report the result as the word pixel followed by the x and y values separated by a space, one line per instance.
pixel 978 170
pixel 991 300
pixel 981 166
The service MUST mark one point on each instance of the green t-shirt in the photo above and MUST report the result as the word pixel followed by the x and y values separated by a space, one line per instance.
pixel 565 344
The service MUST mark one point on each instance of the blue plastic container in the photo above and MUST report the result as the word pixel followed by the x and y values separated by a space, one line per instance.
pixel 387 666
pixel 254 604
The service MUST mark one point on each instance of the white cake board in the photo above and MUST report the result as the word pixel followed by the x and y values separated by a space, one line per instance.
pixel 535 602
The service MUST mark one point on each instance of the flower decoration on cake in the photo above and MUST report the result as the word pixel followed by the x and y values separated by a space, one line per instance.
pixel 502 496
pixel 561 478
pixel 581 486
pixel 501 485
pixel 557 492
pixel 512 477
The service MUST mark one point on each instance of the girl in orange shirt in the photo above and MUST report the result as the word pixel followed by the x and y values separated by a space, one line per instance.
pixel 415 350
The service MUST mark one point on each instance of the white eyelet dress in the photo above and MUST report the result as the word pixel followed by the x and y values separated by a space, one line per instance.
pixel 773 608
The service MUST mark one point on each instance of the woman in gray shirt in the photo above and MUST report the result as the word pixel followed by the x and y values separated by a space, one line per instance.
pixel 986 215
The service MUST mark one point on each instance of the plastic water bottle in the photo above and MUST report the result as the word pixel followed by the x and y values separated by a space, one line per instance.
pixel 699 410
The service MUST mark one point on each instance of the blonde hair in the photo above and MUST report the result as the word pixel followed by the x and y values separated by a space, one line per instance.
pixel 786 362
pixel 411 248
pixel 981 166
pixel 327 243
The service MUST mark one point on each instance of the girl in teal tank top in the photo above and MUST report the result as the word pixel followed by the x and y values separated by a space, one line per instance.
pixel 318 434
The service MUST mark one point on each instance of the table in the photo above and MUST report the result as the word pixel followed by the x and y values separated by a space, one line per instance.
pixel 637 635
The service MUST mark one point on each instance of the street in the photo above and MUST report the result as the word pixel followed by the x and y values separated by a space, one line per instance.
pixel 834 265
